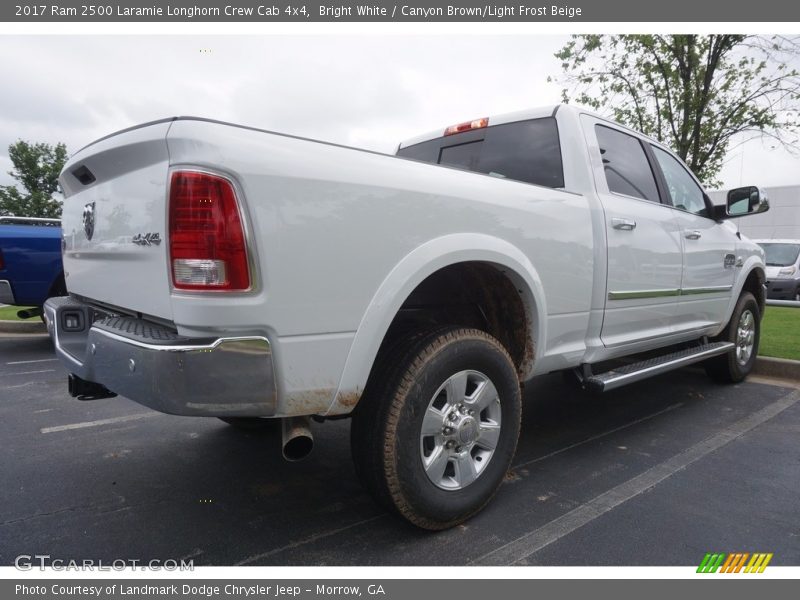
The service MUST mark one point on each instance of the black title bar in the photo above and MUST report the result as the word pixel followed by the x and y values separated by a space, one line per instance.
pixel 531 11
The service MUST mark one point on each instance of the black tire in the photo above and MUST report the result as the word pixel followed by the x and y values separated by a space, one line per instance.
pixel 253 424
pixel 731 367
pixel 386 431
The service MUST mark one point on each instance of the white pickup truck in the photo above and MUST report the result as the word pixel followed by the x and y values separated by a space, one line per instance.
pixel 219 270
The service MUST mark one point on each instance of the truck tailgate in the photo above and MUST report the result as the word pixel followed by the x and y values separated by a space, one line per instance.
pixel 114 221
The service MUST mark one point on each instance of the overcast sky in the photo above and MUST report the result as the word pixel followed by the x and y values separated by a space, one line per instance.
pixel 365 91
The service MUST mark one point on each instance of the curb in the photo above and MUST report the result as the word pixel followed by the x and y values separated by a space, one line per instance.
pixel 780 368
pixel 33 326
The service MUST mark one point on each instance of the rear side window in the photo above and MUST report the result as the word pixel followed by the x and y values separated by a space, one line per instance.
pixel 625 164
pixel 527 151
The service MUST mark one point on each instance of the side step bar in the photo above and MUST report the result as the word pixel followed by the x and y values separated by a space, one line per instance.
pixel 602 382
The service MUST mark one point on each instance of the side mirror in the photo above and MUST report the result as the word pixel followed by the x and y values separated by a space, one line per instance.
pixel 744 201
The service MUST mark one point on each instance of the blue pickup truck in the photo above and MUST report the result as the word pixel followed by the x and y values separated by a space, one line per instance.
pixel 30 262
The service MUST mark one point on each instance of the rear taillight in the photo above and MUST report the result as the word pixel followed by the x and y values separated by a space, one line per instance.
pixel 206 235
pixel 2 261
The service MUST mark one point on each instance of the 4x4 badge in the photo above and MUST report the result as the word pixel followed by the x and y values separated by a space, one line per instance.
pixel 729 261
pixel 148 239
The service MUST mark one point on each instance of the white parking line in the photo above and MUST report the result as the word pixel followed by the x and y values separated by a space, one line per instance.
pixel 27 372
pixel 98 423
pixel 313 538
pixel 27 362
pixel 516 551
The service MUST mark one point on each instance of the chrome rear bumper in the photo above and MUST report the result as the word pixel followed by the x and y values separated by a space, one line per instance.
pixel 154 366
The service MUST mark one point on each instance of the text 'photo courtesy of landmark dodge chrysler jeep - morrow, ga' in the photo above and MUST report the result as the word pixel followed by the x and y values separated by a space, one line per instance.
pixel 219 270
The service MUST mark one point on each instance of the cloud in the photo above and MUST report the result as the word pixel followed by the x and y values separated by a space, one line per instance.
pixel 75 88
pixel 762 163
pixel 362 90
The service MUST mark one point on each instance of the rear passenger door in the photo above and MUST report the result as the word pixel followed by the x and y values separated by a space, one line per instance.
pixel 643 237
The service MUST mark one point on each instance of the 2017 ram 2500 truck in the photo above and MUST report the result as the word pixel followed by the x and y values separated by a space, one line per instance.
pixel 219 270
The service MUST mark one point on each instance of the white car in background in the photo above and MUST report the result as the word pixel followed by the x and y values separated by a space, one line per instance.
pixel 782 258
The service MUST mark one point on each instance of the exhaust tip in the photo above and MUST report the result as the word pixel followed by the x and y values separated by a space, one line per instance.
pixel 298 448
pixel 297 439
pixel 29 313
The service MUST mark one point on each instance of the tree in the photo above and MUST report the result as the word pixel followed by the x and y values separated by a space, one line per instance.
pixel 701 95
pixel 36 169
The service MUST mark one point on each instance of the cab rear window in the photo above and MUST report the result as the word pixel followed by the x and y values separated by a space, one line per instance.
pixel 527 151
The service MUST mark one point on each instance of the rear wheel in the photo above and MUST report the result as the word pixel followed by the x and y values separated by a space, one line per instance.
pixel 744 330
pixel 435 431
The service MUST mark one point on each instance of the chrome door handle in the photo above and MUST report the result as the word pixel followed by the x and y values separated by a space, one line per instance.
pixel 693 235
pixel 623 224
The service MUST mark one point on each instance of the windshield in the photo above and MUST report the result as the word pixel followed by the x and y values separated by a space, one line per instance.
pixel 781 255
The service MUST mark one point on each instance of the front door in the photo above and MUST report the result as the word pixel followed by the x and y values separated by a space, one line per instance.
pixel 709 250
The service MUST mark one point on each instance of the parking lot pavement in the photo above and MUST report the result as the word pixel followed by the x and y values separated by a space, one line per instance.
pixel 658 473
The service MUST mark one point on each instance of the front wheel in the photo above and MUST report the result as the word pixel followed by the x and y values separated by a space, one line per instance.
pixel 434 433
pixel 744 330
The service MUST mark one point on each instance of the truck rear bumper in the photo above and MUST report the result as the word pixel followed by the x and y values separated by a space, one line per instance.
pixel 154 366
pixel 6 293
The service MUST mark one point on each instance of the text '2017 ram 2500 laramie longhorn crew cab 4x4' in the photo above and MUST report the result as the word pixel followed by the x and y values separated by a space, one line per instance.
pixel 218 270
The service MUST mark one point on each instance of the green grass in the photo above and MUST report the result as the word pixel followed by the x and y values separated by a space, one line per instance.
pixel 780 333
pixel 9 313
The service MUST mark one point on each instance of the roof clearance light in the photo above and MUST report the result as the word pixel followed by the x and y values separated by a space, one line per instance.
pixel 467 126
